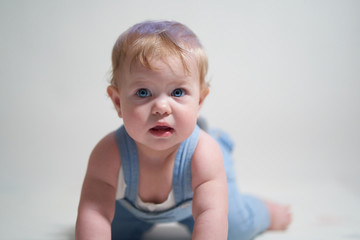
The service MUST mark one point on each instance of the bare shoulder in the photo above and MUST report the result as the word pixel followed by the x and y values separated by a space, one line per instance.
pixel 207 146
pixel 207 160
pixel 104 162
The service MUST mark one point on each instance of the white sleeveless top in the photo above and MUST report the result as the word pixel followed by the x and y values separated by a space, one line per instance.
pixel 147 206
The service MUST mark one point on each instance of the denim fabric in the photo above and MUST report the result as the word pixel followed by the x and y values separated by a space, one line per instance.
pixel 248 216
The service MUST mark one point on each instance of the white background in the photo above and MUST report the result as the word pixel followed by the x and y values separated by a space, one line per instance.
pixel 285 83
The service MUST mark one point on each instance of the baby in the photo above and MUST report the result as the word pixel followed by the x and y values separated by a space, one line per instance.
pixel 160 166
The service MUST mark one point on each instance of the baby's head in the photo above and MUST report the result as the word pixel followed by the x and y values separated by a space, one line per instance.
pixel 158 40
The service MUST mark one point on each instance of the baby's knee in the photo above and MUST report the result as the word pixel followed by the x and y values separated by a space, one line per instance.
pixel 248 217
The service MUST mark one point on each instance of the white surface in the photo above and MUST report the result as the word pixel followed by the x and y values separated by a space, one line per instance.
pixel 285 82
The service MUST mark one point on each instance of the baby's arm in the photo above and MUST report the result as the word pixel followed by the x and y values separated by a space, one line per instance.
pixel 210 205
pixel 97 201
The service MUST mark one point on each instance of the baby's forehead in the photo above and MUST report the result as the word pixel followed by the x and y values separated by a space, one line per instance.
pixel 180 66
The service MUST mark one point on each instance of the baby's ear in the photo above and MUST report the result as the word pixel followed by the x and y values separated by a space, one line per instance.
pixel 203 94
pixel 114 94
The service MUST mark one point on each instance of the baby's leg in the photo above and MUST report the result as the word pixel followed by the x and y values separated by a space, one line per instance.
pixel 248 216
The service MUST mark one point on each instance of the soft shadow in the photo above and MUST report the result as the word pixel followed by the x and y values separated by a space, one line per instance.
pixel 171 231
pixel 69 233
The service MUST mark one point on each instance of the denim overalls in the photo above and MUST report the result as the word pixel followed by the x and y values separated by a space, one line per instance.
pixel 248 216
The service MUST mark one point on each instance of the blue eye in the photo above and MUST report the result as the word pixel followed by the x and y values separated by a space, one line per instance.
pixel 178 92
pixel 143 93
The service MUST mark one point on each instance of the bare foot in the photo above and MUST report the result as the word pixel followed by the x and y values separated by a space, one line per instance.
pixel 280 216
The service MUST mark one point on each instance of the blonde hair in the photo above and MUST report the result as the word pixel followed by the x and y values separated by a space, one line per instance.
pixel 149 39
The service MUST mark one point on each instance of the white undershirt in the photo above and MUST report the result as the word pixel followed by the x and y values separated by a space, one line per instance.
pixel 147 206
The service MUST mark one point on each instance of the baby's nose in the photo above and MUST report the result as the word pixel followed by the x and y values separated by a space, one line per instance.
pixel 161 106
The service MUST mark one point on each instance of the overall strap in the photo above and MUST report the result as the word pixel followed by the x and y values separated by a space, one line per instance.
pixel 129 163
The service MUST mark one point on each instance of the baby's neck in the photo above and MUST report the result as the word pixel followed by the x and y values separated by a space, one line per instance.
pixel 151 157
pixel 155 173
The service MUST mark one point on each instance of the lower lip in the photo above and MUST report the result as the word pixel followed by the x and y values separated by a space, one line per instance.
pixel 161 133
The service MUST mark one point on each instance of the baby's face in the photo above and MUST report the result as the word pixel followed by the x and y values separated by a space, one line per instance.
pixel 160 107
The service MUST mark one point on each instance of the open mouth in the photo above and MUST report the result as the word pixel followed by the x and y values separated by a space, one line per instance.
pixel 162 131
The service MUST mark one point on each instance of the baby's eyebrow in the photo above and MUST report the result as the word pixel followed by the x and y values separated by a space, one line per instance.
pixel 181 82
pixel 140 78
pixel 138 83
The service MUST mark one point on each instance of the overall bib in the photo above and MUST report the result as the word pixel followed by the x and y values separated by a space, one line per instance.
pixel 248 216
